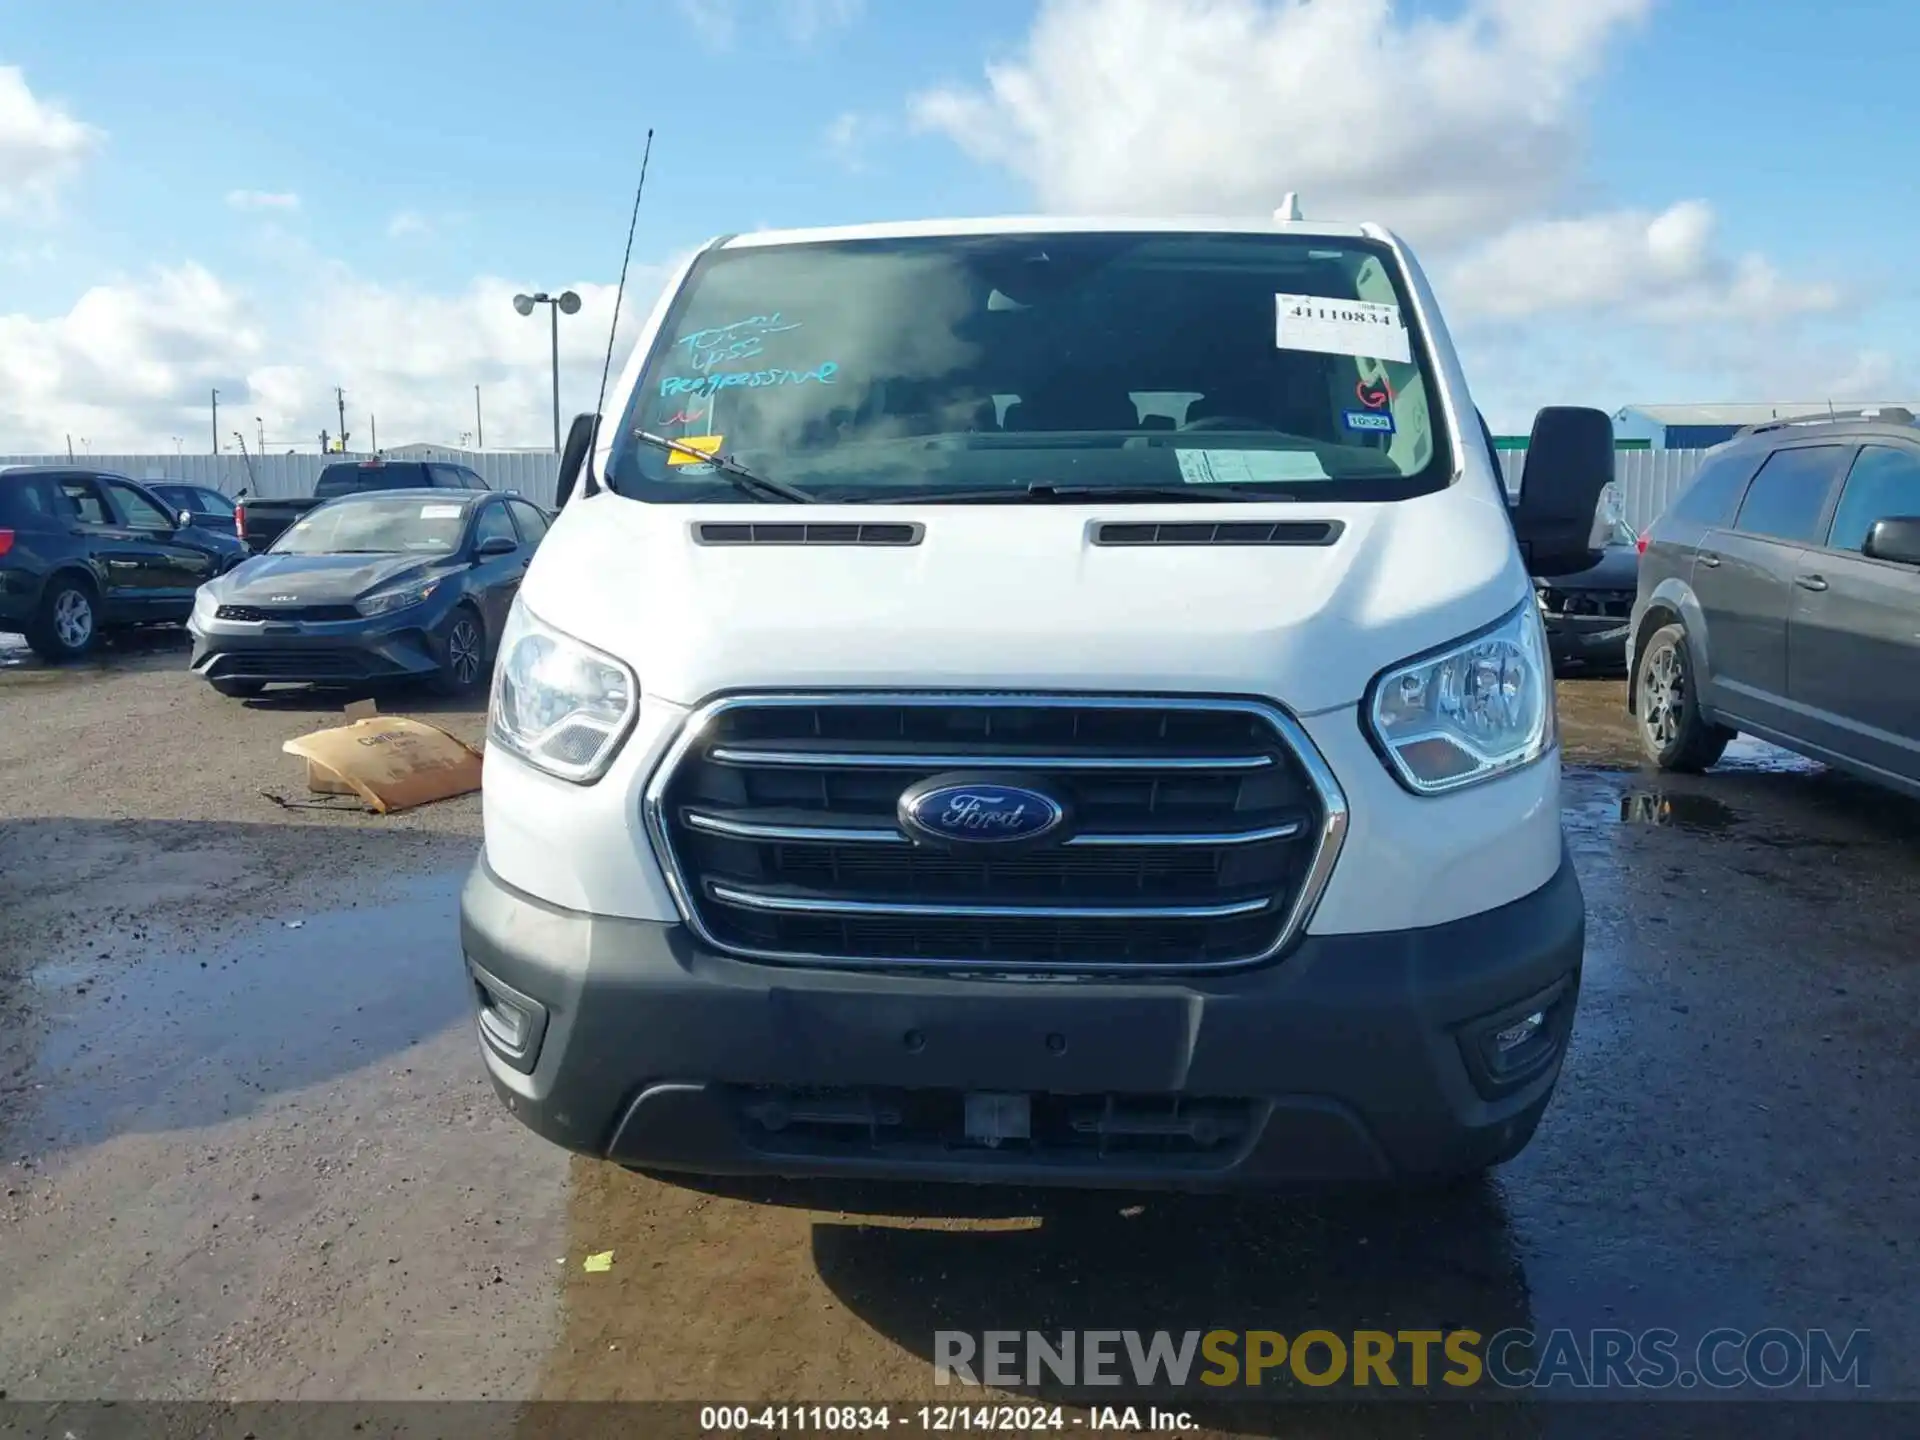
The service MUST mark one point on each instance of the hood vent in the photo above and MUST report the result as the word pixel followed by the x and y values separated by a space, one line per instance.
pixel 1231 532
pixel 718 532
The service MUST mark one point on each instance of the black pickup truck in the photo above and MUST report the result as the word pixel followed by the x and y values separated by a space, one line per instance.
pixel 259 522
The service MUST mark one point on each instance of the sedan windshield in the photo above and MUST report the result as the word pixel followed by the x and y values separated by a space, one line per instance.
pixel 1230 366
pixel 377 525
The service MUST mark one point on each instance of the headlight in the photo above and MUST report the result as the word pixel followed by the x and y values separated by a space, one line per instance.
pixel 383 601
pixel 1479 708
pixel 561 706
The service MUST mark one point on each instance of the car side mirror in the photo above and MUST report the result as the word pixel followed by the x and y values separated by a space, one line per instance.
pixel 494 545
pixel 184 520
pixel 1896 538
pixel 1569 463
pixel 573 456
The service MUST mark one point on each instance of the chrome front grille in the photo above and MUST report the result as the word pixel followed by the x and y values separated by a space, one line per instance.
pixel 1204 831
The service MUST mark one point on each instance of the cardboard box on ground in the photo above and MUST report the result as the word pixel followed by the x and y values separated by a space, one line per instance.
pixel 390 761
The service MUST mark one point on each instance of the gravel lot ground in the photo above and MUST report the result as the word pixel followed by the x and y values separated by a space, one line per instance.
pixel 247 1150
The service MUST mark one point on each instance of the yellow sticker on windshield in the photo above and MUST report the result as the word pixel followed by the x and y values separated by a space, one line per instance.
pixel 709 443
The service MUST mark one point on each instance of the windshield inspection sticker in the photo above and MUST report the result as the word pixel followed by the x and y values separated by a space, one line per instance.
pixel 439 512
pixel 709 443
pixel 1359 328
pixel 1248 467
pixel 1378 422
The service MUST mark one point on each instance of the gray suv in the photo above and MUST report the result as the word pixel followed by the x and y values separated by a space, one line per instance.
pixel 1780 596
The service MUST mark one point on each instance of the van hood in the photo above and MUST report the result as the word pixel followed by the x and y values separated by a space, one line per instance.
pixel 1018 597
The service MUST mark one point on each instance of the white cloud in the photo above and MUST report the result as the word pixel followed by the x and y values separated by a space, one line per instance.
pixel 132 363
pixel 409 224
pixel 1438 127
pixel 719 22
pixel 1627 264
pixel 130 360
pixel 41 147
pixel 263 200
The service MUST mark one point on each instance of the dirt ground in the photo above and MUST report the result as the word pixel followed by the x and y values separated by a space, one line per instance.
pixel 247 1151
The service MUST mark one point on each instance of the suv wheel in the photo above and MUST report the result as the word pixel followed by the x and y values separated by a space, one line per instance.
pixel 67 624
pixel 1673 732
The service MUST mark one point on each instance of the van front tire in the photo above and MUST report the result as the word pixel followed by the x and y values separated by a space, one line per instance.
pixel 1674 733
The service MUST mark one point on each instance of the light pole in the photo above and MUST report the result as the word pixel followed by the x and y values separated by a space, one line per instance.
pixel 569 303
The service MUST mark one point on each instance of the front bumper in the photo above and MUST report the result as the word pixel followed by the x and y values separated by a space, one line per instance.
pixel 1596 640
pixel 402 646
pixel 1355 1058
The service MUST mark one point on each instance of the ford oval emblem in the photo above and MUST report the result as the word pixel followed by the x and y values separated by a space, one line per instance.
pixel 979 810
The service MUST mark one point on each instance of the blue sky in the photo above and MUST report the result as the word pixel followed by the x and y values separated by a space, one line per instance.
pixel 444 154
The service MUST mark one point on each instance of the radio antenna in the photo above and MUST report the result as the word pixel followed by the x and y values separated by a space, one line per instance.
pixel 620 293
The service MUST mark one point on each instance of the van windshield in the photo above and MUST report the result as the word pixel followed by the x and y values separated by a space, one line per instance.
pixel 1262 366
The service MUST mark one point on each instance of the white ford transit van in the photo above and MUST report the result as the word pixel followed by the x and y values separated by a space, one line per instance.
pixel 1037 700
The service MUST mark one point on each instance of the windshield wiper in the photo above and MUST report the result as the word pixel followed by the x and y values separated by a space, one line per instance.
pixel 738 475
pixel 1041 493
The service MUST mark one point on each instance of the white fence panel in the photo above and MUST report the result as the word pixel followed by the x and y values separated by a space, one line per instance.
pixel 1649 480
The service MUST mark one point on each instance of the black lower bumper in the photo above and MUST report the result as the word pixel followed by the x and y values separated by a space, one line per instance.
pixel 1599 641
pixel 317 654
pixel 1357 1058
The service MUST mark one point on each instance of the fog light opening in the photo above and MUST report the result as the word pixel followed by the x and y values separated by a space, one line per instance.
pixel 505 1022
pixel 1520 1046
pixel 510 1023
pixel 1519 1033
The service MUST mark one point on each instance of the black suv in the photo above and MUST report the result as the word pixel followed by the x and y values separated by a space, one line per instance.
pixel 84 550
pixel 1779 595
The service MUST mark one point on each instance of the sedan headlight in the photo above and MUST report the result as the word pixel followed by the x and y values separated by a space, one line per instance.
pixel 383 602
pixel 558 704
pixel 1478 708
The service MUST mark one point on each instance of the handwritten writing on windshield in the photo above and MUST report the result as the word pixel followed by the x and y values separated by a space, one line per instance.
pixel 741 340
pixel 750 379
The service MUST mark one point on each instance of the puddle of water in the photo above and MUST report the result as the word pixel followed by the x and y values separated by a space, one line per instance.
pixel 1678 809
pixel 189 1037
pixel 21 666
pixel 1757 757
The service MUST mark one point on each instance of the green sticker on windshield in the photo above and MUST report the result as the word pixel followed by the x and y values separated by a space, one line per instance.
pixel 1249 467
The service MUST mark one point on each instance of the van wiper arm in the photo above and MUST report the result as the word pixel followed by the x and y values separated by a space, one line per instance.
pixel 738 475
pixel 1040 493
pixel 1140 494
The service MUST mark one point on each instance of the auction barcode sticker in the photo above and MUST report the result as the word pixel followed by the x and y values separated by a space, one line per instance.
pixel 1341 327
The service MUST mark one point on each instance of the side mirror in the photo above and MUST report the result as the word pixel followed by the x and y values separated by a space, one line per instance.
pixel 494 545
pixel 1569 463
pixel 1897 538
pixel 573 456
pixel 184 519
